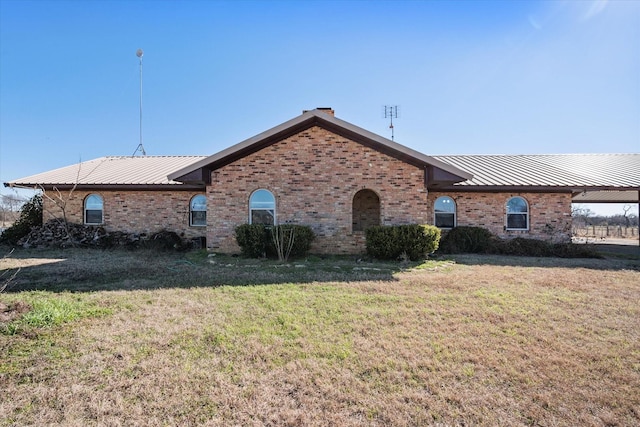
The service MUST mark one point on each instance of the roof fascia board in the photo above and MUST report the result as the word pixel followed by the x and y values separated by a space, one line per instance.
pixel 526 188
pixel 109 187
pixel 500 188
pixel 595 200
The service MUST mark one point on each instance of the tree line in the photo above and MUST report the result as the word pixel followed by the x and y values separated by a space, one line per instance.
pixel 588 217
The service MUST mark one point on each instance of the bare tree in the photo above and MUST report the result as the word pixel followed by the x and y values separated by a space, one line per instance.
pixel 283 239
pixel 60 200
pixel 626 210
pixel 581 219
pixel 9 208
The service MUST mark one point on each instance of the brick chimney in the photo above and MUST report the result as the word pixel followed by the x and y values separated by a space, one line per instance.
pixel 327 110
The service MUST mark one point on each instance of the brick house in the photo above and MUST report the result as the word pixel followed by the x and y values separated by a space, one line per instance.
pixel 318 170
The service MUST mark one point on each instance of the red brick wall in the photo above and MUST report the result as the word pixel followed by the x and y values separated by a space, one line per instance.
pixel 549 213
pixel 132 211
pixel 314 176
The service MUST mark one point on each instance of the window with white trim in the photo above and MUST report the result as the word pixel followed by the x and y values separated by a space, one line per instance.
pixel 517 214
pixel 93 210
pixel 445 212
pixel 198 211
pixel 262 207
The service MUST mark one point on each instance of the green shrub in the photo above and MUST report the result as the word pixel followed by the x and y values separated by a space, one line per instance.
pixel 30 216
pixel 413 241
pixel 465 239
pixel 256 240
pixel 252 239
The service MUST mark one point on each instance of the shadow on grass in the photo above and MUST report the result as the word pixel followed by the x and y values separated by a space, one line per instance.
pixel 87 270
pixel 610 261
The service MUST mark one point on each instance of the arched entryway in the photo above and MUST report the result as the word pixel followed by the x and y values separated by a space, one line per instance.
pixel 366 210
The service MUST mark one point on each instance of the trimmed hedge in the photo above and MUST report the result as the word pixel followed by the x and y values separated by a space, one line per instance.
pixel 474 240
pixel 481 241
pixel 413 241
pixel 256 240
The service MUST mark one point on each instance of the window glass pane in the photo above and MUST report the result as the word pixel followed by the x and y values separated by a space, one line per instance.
pixel 262 216
pixel 516 204
pixel 94 216
pixel 199 203
pixel 445 204
pixel 198 218
pixel 262 207
pixel 517 221
pixel 93 206
pixel 445 220
pixel 93 202
pixel 262 199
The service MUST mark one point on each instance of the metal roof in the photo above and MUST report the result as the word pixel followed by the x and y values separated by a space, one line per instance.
pixel 576 171
pixel 596 196
pixel 112 171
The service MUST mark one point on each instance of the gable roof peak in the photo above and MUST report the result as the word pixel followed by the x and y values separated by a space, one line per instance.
pixel 325 118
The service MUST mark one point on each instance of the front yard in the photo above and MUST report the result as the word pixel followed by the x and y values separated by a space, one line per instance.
pixel 147 338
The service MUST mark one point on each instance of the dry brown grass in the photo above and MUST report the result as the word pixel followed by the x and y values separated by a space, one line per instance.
pixel 483 341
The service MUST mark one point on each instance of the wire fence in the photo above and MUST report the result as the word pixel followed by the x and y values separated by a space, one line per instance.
pixel 605 231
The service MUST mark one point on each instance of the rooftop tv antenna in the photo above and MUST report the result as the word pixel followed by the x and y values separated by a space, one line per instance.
pixel 391 112
pixel 140 147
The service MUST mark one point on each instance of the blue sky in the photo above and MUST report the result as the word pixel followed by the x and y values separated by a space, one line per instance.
pixel 469 77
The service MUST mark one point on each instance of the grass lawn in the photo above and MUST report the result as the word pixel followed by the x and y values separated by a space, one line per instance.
pixel 147 338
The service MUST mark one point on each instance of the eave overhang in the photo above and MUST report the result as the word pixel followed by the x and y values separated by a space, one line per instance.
pixel 605 194
pixel 107 187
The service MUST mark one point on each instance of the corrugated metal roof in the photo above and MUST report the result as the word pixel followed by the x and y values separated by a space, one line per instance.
pixel 552 170
pixel 596 196
pixel 121 170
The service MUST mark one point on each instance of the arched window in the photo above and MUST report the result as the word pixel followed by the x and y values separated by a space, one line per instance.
pixel 517 214
pixel 198 211
pixel 445 212
pixel 365 210
pixel 93 209
pixel 262 208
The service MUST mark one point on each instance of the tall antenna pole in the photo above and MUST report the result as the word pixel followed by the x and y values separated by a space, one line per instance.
pixel 391 112
pixel 139 54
